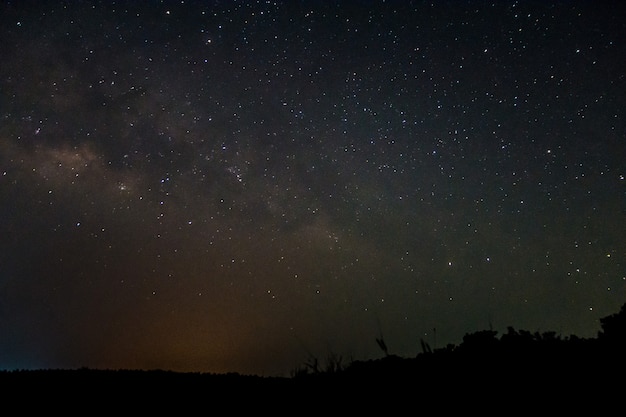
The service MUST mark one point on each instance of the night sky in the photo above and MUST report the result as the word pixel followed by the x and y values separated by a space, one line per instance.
pixel 237 186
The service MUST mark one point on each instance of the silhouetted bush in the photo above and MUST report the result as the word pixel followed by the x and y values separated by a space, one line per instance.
pixel 614 328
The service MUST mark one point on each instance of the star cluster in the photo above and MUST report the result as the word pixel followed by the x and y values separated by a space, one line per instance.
pixel 234 186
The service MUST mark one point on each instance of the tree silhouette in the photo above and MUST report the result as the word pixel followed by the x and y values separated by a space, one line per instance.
pixel 614 328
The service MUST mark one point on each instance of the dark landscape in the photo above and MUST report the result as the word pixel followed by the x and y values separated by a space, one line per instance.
pixel 518 365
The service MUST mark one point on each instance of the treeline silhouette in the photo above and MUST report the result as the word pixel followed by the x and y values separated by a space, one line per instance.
pixel 514 354
pixel 514 364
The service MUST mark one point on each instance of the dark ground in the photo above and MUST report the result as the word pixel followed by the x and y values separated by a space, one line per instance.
pixel 515 371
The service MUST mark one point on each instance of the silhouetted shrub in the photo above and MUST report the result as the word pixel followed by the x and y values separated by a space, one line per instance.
pixel 614 328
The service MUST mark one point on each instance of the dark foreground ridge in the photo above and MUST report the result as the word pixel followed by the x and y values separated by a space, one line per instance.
pixel 517 366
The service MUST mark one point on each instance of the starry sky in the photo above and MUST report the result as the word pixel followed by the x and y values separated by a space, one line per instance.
pixel 238 186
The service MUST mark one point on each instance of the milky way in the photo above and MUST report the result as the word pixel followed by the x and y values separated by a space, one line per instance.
pixel 240 186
